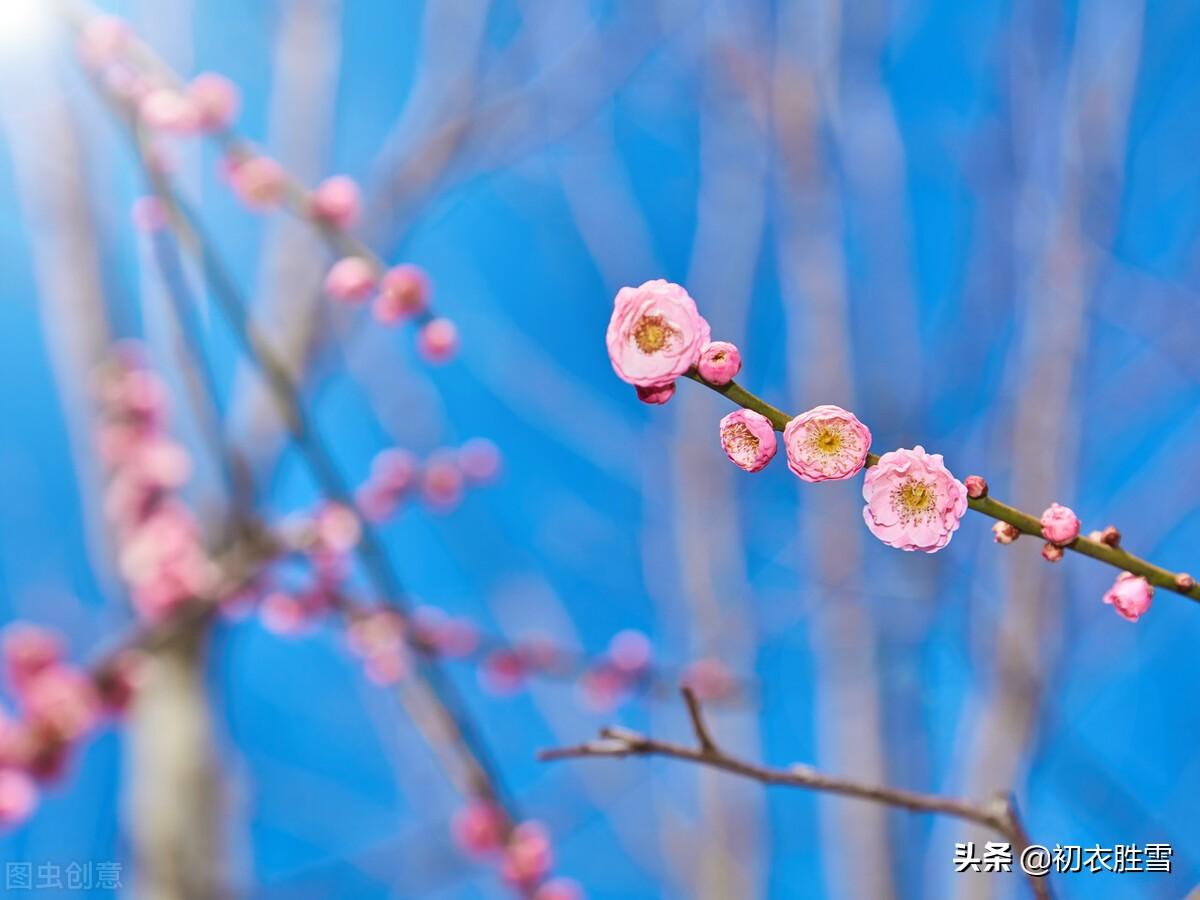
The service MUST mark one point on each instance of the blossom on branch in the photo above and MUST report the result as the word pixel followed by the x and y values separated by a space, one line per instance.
pixel 827 443
pixel 748 439
pixel 655 333
pixel 913 502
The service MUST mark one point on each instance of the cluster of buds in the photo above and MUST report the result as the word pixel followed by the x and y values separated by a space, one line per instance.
pixel 161 553
pixel 440 480
pixel 209 105
pixel 523 853
pixel 59 705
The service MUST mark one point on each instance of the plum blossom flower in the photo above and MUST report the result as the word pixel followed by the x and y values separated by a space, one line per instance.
pixel 1060 525
pixel 720 361
pixel 1130 595
pixel 478 827
pixel 28 651
pixel 437 341
pixel 630 651
pixel 62 701
pixel 479 460
pixel 709 679
pixel 528 856
pixel 748 439
pixel 442 481
pixel 216 99
pixel 259 181
pixel 913 502
pixel 403 293
pixel 655 333
pixel 18 797
pixel 337 201
pixel 350 280
pixel 827 443
pixel 657 395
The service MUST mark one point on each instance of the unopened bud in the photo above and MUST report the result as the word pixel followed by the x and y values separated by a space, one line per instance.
pixel 1052 552
pixel 1184 581
pixel 977 487
pixel 1111 536
pixel 1005 533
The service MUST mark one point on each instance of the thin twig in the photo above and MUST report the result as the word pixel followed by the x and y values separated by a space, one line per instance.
pixel 1000 815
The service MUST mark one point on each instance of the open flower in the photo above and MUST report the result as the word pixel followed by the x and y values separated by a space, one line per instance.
pixel 913 502
pixel 655 333
pixel 827 443
pixel 1130 595
pixel 748 439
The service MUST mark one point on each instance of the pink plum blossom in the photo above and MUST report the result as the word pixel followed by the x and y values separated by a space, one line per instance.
pixel 478 828
pixel 259 182
pixel 28 651
pixel 337 528
pixel 18 797
pixel 655 333
pixel 602 688
pixel 166 109
pixel 913 502
pixel 1060 525
pixel 403 293
pixel 827 443
pixel 503 673
pixel 709 679
pixel 630 651
pixel 748 439
pixel 437 341
pixel 284 614
pixel 442 481
pixel 62 701
pixel 479 460
pixel 719 362
pixel 217 100
pixel 657 395
pixel 337 201
pixel 528 856
pixel 350 280
pixel 1130 595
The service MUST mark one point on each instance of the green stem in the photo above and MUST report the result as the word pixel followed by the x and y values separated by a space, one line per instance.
pixel 1022 521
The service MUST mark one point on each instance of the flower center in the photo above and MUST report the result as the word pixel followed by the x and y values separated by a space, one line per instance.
pixel 914 500
pixel 652 333
pixel 741 442
pixel 826 440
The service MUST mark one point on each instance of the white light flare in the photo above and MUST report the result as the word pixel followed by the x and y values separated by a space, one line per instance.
pixel 25 25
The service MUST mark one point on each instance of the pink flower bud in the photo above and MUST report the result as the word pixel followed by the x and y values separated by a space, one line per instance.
pixel 719 362
pixel 748 439
pixel 1130 595
pixel 630 651
pixel 259 182
pixel 1111 536
pixel 559 889
pixel 503 673
pixel 528 856
pixel 18 797
pixel 28 651
pixel 284 614
pixel 350 280
pixel 437 341
pixel 337 202
pixel 1059 524
pixel 657 395
pixel 338 529
pixel 1184 582
pixel 709 679
pixel 479 460
pixel 217 100
pixel 976 486
pixel 442 481
pixel 403 293
pixel 164 109
pixel 478 828
pixel 1005 533
pixel 602 688
pixel 394 469
pixel 62 701
pixel 1052 552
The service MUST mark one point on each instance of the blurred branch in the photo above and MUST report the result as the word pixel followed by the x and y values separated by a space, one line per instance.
pixel 1000 814
pixel 1024 522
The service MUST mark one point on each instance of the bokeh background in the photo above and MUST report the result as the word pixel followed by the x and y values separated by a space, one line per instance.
pixel 972 223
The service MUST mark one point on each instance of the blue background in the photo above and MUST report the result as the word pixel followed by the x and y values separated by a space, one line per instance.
pixel 947 165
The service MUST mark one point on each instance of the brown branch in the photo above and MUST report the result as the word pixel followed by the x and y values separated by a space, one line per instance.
pixel 1000 814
